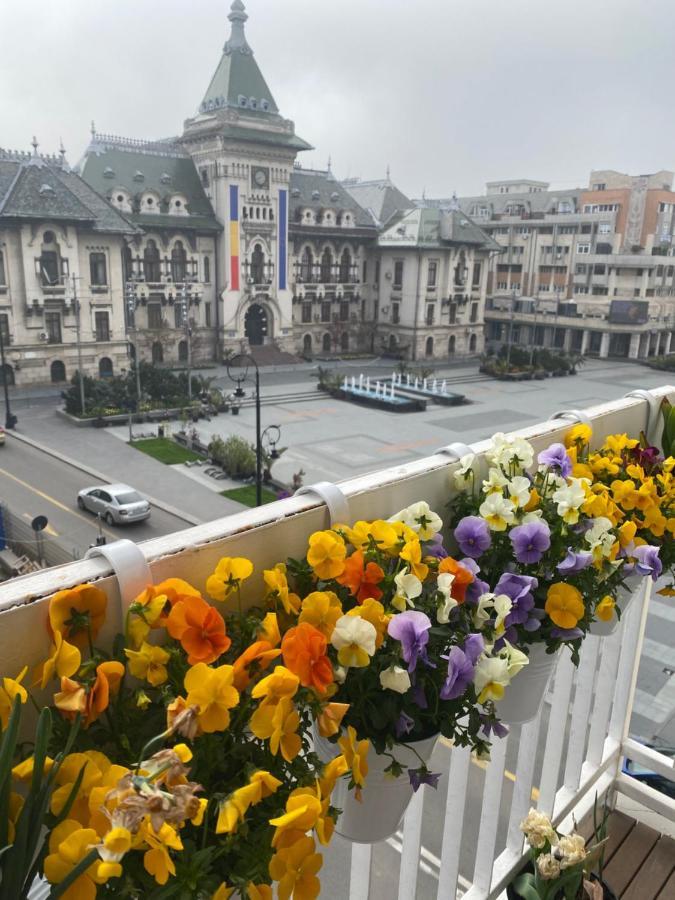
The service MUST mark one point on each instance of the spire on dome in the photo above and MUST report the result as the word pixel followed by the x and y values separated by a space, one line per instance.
pixel 237 39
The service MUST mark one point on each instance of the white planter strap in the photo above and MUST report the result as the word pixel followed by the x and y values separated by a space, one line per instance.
pixel 572 415
pixel 653 410
pixel 455 451
pixel 129 565
pixel 332 496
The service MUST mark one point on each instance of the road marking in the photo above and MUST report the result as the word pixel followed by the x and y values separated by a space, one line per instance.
pixel 53 501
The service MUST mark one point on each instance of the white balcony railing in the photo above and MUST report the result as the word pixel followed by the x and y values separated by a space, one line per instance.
pixel 584 739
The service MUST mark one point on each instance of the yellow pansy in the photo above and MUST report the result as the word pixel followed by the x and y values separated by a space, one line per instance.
pixel 605 608
pixel 259 892
pixel 277 585
pixel 321 609
pixel 412 554
pixel 149 663
pixel 9 689
pixel 326 554
pixel 157 860
pixel 355 753
pixel 303 810
pixel 228 575
pixel 64 660
pixel 223 892
pixel 278 723
pixel 211 691
pixel 69 843
pixel 578 434
pixel 372 611
pixel 564 605
pixel 281 683
pixel 383 534
pixel 627 533
pixel 269 630
pixel 295 868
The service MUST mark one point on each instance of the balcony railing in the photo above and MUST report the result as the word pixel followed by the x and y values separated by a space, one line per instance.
pixel 584 739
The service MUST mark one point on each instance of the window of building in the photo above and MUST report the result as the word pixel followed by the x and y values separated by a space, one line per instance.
pixel 452 341
pixel 306 313
pixel 50 269
pixel 600 186
pixel 395 313
pixel 306 265
pixel 4 328
pixel 178 262
pixel 344 310
pixel 586 229
pixel 326 343
pixel 545 287
pixel 429 347
pixel 580 288
pixel 600 207
pixel 154 315
pixel 599 269
pixel 604 228
pixel 179 318
pixel 3 279
pixel 207 314
pixel 599 291
pixel 53 327
pixel 57 371
pixel 151 263
pixel 346 267
pixel 517 251
pixel 452 313
pixel 377 271
pixel 157 352
pixel 325 311
pixel 502 285
pixel 98 273
pixel 580 269
pixel 102 325
pixel 258 265
pixel 431 313
pixel 326 267
pixel 105 367
pixel 207 270
pixel 583 248
pixel 515 285
pixel 398 273
pixel 475 279
pixel 474 313
pixel 432 273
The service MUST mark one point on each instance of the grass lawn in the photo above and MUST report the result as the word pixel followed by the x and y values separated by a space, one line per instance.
pixel 165 450
pixel 246 495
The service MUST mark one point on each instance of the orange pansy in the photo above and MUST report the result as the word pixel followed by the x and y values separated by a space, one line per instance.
pixel 200 628
pixel 261 652
pixel 361 578
pixel 304 651
pixel 463 577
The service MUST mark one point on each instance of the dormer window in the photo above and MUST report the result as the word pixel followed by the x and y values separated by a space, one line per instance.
pixel 121 199
pixel 46 190
pixel 308 217
pixel 150 203
pixel 139 176
pixel 347 220
pixel 315 195
pixel 177 205
pixel 252 102
pixel 328 217
pixel 265 104
pixel 243 101
pixel 108 172
pixel 165 178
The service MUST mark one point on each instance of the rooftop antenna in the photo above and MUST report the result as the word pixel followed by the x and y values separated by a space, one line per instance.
pixel 62 150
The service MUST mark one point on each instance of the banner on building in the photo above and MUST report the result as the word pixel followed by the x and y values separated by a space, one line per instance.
pixel 234 237
pixel 629 312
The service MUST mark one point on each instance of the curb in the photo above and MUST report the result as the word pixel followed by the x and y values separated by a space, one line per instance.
pixel 98 476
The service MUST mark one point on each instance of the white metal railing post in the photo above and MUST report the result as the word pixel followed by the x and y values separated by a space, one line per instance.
pixel 602 706
pixel 583 696
pixel 556 732
pixel 522 788
pixel 359 878
pixel 455 802
pixel 489 819
pixel 410 851
pixel 629 660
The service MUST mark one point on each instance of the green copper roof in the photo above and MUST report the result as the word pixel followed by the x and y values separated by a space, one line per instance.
pixel 238 82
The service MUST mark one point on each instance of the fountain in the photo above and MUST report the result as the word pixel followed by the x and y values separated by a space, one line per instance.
pixel 361 381
pixel 433 385
pixel 353 382
pixel 443 386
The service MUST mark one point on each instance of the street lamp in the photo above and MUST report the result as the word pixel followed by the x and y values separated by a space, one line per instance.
pixel 132 303
pixel 513 309
pixel 10 420
pixel 242 361
pixel 185 314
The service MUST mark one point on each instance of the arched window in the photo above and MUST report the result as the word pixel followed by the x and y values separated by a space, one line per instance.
pixel 344 341
pixel 182 351
pixel 151 268
pixel 429 347
pixel 326 266
pixel 392 342
pixel 461 270
pixel 207 270
pixel 178 262
pixel 258 265
pixel 51 265
pixel 451 345
pixel 307 344
pixel 345 267
pixel 472 343
pixel 325 343
pixel 307 265
pixel 128 263
pixel 157 353
pixel 105 367
pixel 57 371
pixel 132 352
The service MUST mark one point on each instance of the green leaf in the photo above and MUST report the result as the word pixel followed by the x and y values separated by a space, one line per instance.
pixel 8 743
pixel 58 890
pixel 71 797
pixel 42 737
pixel 526 887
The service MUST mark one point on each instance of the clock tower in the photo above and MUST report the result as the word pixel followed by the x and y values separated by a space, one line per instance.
pixel 244 151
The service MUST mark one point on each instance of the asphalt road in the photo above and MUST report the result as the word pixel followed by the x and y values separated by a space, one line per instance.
pixel 33 483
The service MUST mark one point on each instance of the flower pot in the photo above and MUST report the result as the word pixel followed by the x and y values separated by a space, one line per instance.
pixel 524 696
pixel 623 601
pixel 384 800
pixel 593 888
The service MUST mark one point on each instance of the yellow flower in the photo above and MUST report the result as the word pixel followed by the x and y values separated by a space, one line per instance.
pixel 259 891
pixel 321 609
pixel 262 784
pixel 564 605
pixel 356 755
pixel 372 611
pixel 229 574
pixel 149 662
pixel 278 723
pixel 627 533
pixel 77 612
pixel 295 868
pixel 382 534
pixel 14 810
pixel 101 802
pixel 412 554
pixel 69 843
pixel 11 688
pixel 269 630
pixel 656 522
pixel 326 554
pixel 156 860
pixel 117 841
pixel 223 892
pixel 303 810
pixel 23 771
pixel 578 434
pixel 603 465
pixel 333 770
pixel 95 764
pixel 616 443
pixel 605 608
pixel 277 584
pixel 64 659
pixel 281 683
pixel 331 717
pixel 212 692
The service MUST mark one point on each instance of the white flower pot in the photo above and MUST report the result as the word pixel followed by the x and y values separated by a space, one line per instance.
pixel 524 697
pixel 623 601
pixel 384 799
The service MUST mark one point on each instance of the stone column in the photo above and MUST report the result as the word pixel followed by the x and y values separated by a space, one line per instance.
pixel 667 341
pixel 585 338
pixel 604 345
pixel 634 346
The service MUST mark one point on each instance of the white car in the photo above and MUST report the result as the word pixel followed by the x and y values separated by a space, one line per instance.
pixel 118 504
pixel 2 436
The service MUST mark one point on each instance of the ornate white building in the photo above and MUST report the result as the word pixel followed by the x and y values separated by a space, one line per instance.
pixel 217 240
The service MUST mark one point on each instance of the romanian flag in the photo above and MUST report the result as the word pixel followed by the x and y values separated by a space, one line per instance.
pixel 234 237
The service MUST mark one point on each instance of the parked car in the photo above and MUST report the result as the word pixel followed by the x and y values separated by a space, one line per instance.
pixel 647 776
pixel 118 504
pixel 2 436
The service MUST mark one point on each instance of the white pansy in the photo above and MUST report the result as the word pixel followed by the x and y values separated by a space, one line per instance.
pixel 395 679
pixel 569 498
pixel 519 489
pixel 512 454
pixel 423 520
pixel 552 483
pixel 548 867
pixel 496 481
pixel 596 533
pixel 340 674
pixel 356 634
pixel 465 470
pixel 535 515
pixel 497 512
pixel 491 677
pixel 483 610
pixel 408 587
pixel 515 658
pixel 448 602
pixel 502 604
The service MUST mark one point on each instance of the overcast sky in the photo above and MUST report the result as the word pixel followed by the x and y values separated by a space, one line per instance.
pixel 449 93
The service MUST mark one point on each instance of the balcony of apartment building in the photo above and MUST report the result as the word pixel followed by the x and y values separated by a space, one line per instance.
pixel 161 274
pixel 571 753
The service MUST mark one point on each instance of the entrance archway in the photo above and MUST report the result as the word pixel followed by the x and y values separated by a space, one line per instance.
pixel 105 367
pixel 256 325
pixel 157 353
pixel 307 343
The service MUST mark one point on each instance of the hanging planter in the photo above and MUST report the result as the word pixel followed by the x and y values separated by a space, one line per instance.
pixel 523 698
pixel 623 601
pixel 384 800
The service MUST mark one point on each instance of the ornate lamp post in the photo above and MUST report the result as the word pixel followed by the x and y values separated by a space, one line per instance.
pixel 242 362
pixel 132 303
pixel 10 420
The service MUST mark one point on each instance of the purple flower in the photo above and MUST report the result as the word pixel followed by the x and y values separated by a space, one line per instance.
pixel 523 612
pixel 473 536
pixel 477 587
pixel 530 541
pixel 418 694
pixel 556 458
pixel 567 634
pixel 435 547
pixel 647 561
pixel 404 725
pixel 473 647
pixel 460 674
pixel 493 726
pixel 575 562
pixel 421 776
pixel 411 628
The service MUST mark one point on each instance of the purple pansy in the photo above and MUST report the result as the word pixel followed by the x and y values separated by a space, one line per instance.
pixel 435 547
pixel 421 776
pixel 477 587
pixel 411 628
pixel 404 725
pixel 556 458
pixel 575 561
pixel 473 647
pixel 519 588
pixel 647 561
pixel 418 694
pixel 493 726
pixel 460 674
pixel 567 634
pixel 473 536
pixel 530 541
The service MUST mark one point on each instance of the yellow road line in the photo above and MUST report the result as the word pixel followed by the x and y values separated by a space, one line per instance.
pixel 53 501
pixel 483 764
